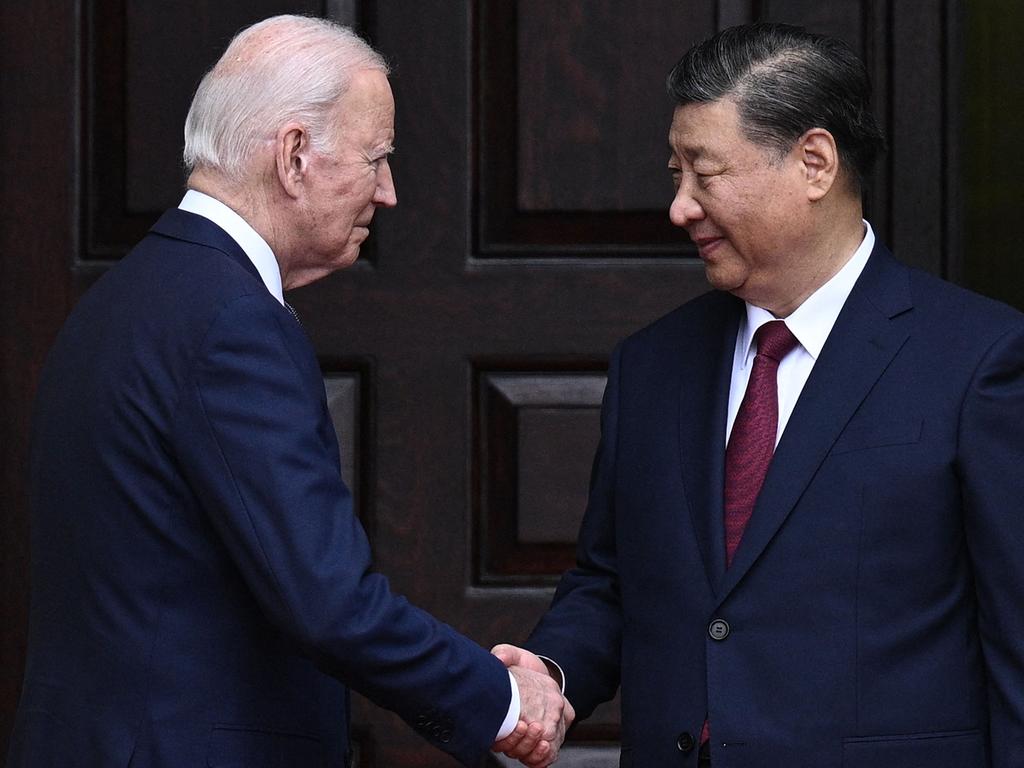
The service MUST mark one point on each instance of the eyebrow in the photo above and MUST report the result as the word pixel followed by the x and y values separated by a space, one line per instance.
pixel 693 154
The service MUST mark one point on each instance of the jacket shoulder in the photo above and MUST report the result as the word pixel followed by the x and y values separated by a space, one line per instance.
pixel 705 313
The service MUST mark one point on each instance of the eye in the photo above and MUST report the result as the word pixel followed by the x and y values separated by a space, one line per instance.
pixel 705 176
pixel 381 159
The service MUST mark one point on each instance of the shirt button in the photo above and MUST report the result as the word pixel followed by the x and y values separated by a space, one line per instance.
pixel 685 742
pixel 718 629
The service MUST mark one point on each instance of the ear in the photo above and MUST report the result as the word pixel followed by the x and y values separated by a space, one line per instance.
pixel 819 157
pixel 292 157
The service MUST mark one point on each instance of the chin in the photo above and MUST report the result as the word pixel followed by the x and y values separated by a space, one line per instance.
pixel 722 280
pixel 348 257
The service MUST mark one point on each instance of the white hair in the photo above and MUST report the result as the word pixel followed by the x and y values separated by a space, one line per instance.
pixel 281 69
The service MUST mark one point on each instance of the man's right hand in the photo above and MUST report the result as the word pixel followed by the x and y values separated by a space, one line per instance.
pixel 544 713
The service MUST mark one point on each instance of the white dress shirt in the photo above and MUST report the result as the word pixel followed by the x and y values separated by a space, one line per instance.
pixel 241 232
pixel 262 257
pixel 811 323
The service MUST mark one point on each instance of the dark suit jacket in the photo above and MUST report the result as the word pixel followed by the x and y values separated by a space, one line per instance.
pixel 875 607
pixel 201 589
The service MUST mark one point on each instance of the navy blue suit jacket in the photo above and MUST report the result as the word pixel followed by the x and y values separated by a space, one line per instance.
pixel 875 606
pixel 201 589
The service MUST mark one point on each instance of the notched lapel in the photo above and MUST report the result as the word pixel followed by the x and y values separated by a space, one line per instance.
pixel 866 338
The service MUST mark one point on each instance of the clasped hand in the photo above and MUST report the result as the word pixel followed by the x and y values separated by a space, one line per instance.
pixel 544 713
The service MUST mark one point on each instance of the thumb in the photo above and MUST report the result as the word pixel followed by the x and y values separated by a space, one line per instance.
pixel 508 654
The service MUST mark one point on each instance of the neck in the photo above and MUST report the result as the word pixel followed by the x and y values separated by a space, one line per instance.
pixel 248 200
pixel 828 254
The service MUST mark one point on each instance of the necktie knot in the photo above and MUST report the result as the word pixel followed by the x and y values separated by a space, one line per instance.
pixel 775 340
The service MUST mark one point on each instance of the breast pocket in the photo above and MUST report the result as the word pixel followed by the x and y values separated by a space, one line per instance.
pixel 239 746
pixel 861 437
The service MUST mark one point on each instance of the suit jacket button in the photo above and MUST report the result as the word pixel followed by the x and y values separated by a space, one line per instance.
pixel 718 629
pixel 685 742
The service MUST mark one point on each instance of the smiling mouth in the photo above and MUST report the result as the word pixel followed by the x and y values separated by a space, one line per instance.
pixel 706 245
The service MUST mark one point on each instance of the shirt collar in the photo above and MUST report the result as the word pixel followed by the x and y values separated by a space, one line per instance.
pixel 812 321
pixel 255 247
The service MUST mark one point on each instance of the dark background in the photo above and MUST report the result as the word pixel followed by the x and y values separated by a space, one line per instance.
pixel 464 356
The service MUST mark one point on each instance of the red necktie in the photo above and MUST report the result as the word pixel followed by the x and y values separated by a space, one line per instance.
pixel 752 441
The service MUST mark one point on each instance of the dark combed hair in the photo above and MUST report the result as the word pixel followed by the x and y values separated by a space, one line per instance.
pixel 785 81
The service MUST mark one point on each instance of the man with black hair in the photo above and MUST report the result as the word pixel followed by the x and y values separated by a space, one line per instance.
pixel 803 544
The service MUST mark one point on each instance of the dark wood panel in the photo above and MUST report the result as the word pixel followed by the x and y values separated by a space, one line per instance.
pixel 562 165
pixel 37 102
pixel 556 445
pixel 346 402
pixel 993 163
pixel 536 435
pixel 844 20
pixel 728 13
pixel 579 143
pixel 917 135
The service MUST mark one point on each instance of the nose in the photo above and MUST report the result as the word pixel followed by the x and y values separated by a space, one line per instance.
pixel 385 193
pixel 685 209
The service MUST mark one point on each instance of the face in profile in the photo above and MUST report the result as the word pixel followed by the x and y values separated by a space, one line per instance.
pixel 743 205
pixel 351 176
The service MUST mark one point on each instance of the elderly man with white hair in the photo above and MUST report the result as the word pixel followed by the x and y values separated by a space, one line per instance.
pixel 202 592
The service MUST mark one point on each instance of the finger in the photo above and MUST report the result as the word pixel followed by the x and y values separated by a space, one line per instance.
pixel 511 741
pixel 527 744
pixel 542 755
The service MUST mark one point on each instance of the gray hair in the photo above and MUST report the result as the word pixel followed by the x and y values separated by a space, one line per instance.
pixel 281 69
pixel 785 81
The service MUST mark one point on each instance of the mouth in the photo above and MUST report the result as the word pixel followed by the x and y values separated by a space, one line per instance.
pixel 707 245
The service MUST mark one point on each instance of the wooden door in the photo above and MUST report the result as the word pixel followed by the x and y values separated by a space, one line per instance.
pixel 464 355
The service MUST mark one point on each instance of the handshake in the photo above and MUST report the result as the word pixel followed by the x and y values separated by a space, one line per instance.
pixel 544 713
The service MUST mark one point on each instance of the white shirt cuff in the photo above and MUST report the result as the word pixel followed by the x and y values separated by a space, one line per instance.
pixel 560 677
pixel 513 712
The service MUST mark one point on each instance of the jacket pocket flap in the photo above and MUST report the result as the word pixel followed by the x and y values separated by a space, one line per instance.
pixel 955 749
pixel 858 437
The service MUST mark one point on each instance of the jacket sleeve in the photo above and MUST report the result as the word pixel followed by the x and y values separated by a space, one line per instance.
pixel 582 630
pixel 991 462
pixel 256 445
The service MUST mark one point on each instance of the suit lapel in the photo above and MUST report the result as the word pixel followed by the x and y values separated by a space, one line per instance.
pixel 862 344
pixel 704 398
